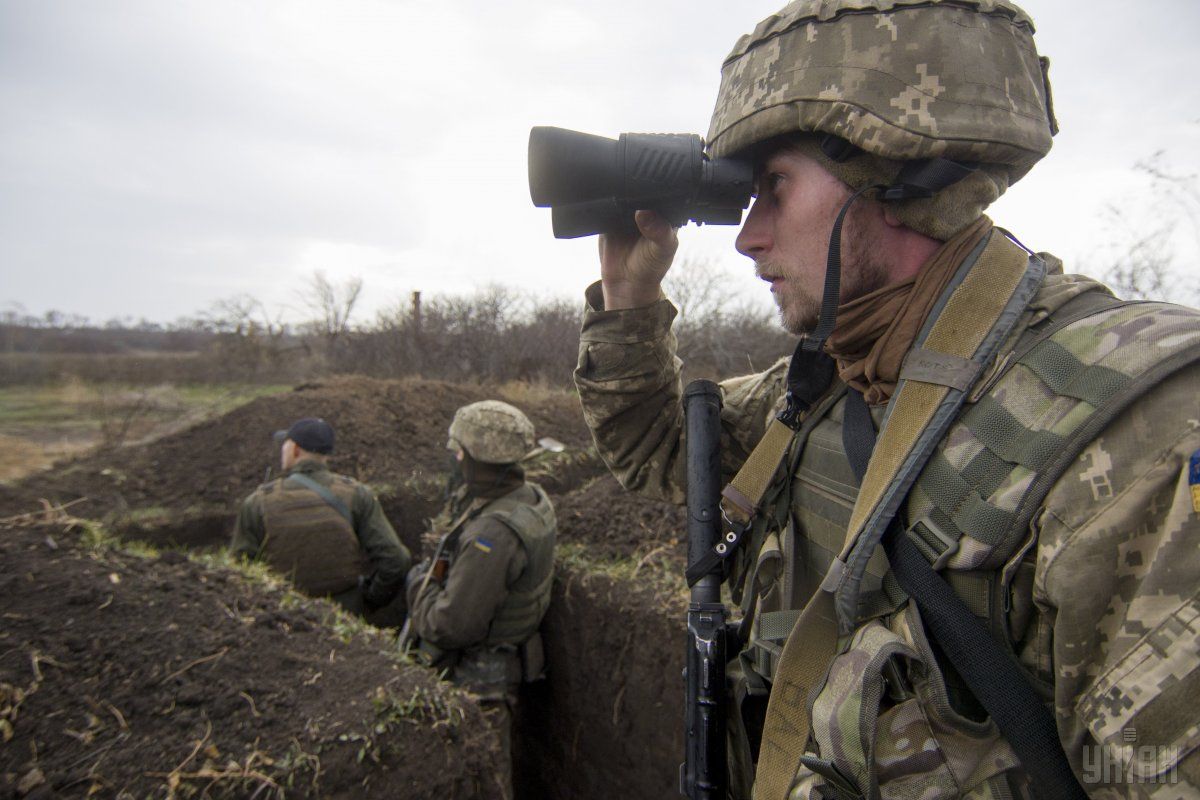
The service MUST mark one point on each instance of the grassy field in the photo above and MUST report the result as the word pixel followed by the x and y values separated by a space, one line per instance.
pixel 42 424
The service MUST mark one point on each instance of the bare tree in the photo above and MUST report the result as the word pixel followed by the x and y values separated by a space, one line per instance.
pixel 250 338
pixel 332 305
pixel 1141 260
pixel 242 314
pixel 695 286
pixel 1181 190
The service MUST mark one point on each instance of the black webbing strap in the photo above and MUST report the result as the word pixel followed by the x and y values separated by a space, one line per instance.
pixel 926 177
pixel 832 294
pixel 325 493
pixel 993 676
pixel 809 375
pixel 858 432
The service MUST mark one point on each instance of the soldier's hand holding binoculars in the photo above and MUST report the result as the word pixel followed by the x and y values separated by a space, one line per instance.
pixel 633 265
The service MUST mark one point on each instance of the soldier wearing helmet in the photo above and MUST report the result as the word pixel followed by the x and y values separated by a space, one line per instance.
pixel 968 507
pixel 477 607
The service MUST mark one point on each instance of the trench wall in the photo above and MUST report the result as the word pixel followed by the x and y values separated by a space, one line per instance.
pixel 608 721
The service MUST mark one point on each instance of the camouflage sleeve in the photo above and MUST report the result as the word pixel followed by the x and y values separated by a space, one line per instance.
pixel 459 613
pixel 1117 579
pixel 389 558
pixel 628 378
pixel 248 531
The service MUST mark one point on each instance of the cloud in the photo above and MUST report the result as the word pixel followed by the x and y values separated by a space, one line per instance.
pixel 157 156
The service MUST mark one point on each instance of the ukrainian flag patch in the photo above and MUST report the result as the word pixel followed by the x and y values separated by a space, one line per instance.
pixel 486 546
pixel 1194 480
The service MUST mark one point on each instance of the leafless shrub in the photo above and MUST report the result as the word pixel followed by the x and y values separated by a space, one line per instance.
pixel 118 412
pixel 697 287
pixel 1140 264
pixel 1140 259
pixel 721 336
pixel 492 334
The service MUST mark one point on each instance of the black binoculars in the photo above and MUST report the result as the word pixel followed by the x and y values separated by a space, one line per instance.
pixel 593 184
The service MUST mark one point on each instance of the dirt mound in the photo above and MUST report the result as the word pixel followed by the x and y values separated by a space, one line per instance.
pixel 390 435
pixel 126 676
pixel 615 523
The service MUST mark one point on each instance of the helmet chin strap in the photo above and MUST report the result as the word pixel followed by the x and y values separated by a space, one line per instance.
pixel 811 370
pixel 831 298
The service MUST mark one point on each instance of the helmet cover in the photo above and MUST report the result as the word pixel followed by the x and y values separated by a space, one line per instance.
pixel 902 80
pixel 492 432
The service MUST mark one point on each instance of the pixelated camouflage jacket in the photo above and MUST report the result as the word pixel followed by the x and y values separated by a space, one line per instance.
pixel 385 555
pixel 1110 612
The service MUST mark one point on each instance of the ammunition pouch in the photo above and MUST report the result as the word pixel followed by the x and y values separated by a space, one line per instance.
pixel 883 689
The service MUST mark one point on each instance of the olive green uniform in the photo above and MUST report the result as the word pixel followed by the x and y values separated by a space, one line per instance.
pixel 497 586
pixel 1099 600
pixel 481 623
pixel 359 562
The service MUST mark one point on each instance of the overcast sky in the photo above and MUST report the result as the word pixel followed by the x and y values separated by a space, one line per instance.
pixel 158 156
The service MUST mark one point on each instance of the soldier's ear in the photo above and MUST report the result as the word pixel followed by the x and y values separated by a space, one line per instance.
pixel 889 216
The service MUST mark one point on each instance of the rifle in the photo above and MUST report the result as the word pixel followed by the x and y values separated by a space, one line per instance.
pixel 437 569
pixel 704 773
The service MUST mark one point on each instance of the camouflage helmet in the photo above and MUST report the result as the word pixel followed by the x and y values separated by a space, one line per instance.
pixel 492 432
pixel 902 80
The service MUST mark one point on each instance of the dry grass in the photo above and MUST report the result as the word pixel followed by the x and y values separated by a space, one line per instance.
pixel 40 425
pixel 19 457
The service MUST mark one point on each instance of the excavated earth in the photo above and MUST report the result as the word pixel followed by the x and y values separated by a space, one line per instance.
pixel 130 677
pixel 142 676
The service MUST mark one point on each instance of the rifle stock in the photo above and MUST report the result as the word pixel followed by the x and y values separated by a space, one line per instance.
pixel 704 773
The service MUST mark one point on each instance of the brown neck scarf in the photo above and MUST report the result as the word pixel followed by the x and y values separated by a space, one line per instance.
pixel 876 331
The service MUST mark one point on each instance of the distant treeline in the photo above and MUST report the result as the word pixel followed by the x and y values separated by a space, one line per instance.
pixel 494 334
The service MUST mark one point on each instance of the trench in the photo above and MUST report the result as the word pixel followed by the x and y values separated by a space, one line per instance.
pixel 607 720
pixel 193 531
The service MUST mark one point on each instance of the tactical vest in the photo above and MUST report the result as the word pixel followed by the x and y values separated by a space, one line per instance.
pixel 308 540
pixel 528 597
pixel 1052 389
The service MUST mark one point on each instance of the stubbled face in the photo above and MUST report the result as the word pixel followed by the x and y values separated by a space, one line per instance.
pixel 787 234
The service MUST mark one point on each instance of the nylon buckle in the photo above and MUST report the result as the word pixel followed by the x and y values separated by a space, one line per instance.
pixel 790 415
pixel 935 544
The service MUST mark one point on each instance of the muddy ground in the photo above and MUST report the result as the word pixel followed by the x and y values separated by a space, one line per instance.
pixel 123 676
pixel 607 722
